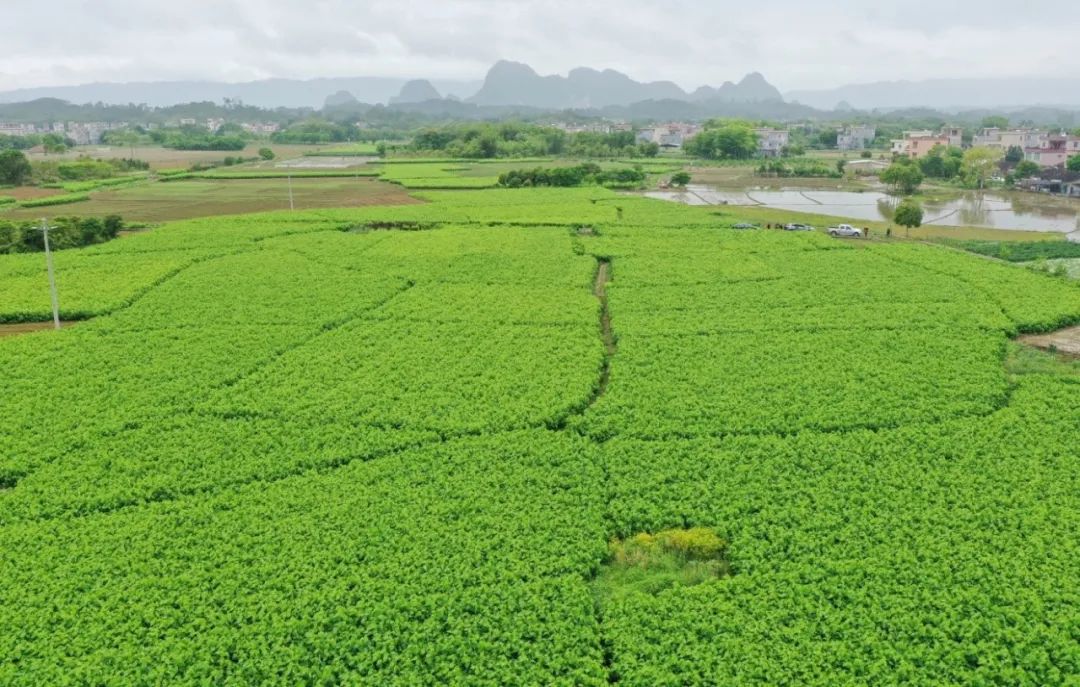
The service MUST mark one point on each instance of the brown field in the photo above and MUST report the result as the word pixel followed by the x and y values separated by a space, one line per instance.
pixel 164 158
pixel 175 200
pixel 28 327
pixel 30 192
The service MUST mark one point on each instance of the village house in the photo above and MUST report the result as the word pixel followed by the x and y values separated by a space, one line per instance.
pixel 1052 151
pixel 918 144
pixel 855 137
pixel 1008 138
pixel 772 142
pixel 670 135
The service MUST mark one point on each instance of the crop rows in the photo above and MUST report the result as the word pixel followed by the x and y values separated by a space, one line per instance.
pixel 390 446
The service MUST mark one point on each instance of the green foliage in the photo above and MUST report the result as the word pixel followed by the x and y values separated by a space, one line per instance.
pixel 995 122
pixel 680 178
pixel 903 177
pixel 728 141
pixel 67 232
pixel 941 163
pixel 1073 164
pixel 654 563
pixel 908 213
pixel 312 131
pixel 800 167
pixel 1021 251
pixel 8 142
pixel 1014 155
pixel 978 164
pixel 266 153
pixel 1027 169
pixel 587 173
pixel 62 199
pixel 15 168
pixel 356 446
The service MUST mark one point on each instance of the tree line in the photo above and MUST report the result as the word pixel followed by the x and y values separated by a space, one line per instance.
pixel 65 232
pixel 578 175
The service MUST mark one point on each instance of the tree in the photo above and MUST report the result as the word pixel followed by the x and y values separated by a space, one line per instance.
pixel 902 177
pixel 53 143
pixel 266 154
pixel 978 164
pixel 680 179
pixel 731 141
pixel 1014 155
pixel 14 168
pixel 995 122
pixel 828 138
pixel 908 214
pixel 840 165
pixel 1073 165
pixel 127 138
pixel 1027 169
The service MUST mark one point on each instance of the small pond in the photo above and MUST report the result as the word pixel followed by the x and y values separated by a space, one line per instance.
pixel 1017 212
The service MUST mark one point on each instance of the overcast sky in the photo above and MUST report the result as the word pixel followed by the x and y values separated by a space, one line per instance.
pixel 795 43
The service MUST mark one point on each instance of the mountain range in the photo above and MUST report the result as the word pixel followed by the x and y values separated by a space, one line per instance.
pixel 946 94
pixel 506 84
pixel 516 85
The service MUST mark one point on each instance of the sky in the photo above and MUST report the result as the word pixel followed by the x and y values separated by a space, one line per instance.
pixel 796 44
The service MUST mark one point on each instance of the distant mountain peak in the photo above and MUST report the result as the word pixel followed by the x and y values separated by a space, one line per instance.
pixel 416 91
pixel 516 83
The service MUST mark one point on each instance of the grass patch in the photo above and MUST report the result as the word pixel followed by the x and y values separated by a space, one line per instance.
pixel 1022 360
pixel 1020 251
pixel 652 563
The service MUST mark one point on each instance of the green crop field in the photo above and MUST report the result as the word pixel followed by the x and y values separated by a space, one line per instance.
pixel 532 437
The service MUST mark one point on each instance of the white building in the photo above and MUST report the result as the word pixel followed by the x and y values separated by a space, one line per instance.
pixel 17 129
pixel 670 135
pixel 772 142
pixel 856 137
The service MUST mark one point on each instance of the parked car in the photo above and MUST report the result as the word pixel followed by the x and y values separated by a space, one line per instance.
pixel 845 230
pixel 798 227
pixel 745 225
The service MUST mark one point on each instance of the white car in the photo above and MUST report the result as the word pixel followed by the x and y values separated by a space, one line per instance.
pixel 845 230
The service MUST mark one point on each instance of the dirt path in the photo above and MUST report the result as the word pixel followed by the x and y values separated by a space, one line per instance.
pixel 603 276
pixel 1062 341
pixel 27 327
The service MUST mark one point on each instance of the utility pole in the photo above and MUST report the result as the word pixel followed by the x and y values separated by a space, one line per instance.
pixel 52 277
pixel 291 206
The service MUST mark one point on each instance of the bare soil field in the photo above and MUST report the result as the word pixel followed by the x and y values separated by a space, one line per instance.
pixel 165 158
pixel 27 327
pixel 175 200
pixel 1062 341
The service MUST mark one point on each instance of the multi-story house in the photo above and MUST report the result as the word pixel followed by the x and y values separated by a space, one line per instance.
pixel 772 142
pixel 856 137
pixel 17 129
pixel 1053 151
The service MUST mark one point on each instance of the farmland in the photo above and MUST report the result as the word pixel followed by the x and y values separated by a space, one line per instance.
pixel 406 444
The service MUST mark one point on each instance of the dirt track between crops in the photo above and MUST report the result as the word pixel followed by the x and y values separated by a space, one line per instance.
pixel 1062 341
pixel 27 327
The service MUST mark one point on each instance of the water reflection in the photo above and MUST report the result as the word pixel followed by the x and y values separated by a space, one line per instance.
pixel 1015 211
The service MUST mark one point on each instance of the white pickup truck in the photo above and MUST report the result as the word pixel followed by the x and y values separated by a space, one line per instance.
pixel 845 230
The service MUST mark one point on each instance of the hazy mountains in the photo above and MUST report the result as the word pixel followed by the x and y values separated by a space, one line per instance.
pixel 513 83
pixel 269 93
pixel 506 84
pixel 946 94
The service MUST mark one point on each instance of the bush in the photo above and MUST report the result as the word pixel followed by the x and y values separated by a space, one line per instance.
pixel 55 200
pixel 587 173
pixel 908 214
pixel 266 154
pixel 66 232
